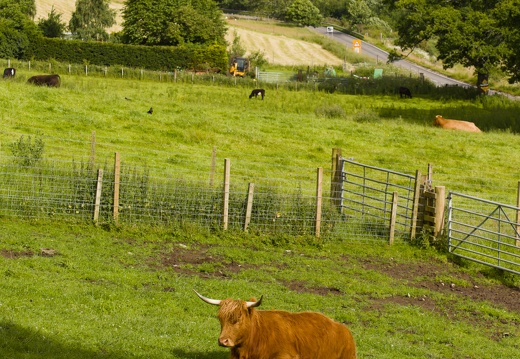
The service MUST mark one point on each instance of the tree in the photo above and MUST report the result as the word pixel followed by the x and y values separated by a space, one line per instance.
pixel 52 26
pixel 28 7
pixel 358 11
pixel 466 31
pixel 17 30
pixel 172 22
pixel 507 14
pixel 91 18
pixel 304 13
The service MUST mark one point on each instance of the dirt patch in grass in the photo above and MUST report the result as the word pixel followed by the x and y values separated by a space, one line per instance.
pixel 303 287
pixel 197 261
pixel 444 278
pixel 11 254
pixel 201 262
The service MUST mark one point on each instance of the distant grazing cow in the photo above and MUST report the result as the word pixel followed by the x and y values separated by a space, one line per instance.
pixel 405 92
pixel 455 124
pixel 257 92
pixel 45 80
pixel 274 334
pixel 9 72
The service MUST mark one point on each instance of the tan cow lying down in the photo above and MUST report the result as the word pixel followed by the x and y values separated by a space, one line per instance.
pixel 455 124
pixel 263 334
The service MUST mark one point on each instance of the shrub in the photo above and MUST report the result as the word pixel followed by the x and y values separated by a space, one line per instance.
pixel 334 111
pixel 27 152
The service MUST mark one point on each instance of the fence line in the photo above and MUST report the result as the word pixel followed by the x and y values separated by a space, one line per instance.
pixel 129 195
pixel 365 202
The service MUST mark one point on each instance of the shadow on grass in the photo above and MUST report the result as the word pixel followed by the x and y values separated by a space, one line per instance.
pixel 19 342
pixel 490 118
pixel 188 354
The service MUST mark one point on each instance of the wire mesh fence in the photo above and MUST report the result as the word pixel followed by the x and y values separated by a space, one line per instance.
pixel 74 191
pixel 174 188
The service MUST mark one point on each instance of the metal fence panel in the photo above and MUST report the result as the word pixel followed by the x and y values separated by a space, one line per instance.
pixel 484 231
pixel 367 194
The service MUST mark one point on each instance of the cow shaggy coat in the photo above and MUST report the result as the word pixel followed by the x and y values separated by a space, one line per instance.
pixel 274 334
pixel 45 80
pixel 455 124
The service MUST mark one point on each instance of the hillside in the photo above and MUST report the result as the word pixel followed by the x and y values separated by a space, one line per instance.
pixel 277 49
pixel 64 7
pixel 282 50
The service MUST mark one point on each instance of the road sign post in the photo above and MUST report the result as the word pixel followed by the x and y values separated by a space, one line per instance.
pixel 356 46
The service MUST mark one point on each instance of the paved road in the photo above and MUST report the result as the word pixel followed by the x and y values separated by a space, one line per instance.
pixel 381 55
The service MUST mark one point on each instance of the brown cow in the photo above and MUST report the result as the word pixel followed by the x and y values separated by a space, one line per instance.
pixel 45 80
pixel 455 124
pixel 274 334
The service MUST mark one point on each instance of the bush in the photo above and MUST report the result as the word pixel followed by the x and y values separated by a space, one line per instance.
pixel 26 152
pixel 160 58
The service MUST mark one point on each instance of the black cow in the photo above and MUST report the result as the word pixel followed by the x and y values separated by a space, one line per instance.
pixel 257 92
pixel 405 92
pixel 45 80
pixel 9 72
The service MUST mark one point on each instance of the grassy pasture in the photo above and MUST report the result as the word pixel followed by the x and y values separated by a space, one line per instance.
pixel 288 135
pixel 126 293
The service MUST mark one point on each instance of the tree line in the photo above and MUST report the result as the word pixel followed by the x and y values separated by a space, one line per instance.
pixel 482 34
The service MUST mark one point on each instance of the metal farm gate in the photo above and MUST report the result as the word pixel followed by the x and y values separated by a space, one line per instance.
pixel 484 231
pixel 368 194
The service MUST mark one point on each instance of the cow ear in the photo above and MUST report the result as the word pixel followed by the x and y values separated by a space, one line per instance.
pixel 254 303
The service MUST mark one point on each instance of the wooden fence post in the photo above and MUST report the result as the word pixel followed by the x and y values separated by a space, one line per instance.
pixel 249 206
pixel 518 215
pixel 117 174
pixel 415 208
pixel 319 190
pixel 225 214
pixel 98 195
pixel 440 198
pixel 393 217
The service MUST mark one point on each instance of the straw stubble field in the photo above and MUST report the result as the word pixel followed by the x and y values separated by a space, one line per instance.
pixel 277 48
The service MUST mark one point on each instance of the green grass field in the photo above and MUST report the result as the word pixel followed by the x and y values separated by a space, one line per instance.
pixel 127 292
pixel 287 134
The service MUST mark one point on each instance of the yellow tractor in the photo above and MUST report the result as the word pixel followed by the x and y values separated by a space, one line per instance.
pixel 239 66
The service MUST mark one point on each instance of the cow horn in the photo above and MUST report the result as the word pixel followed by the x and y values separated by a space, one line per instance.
pixel 254 304
pixel 208 300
